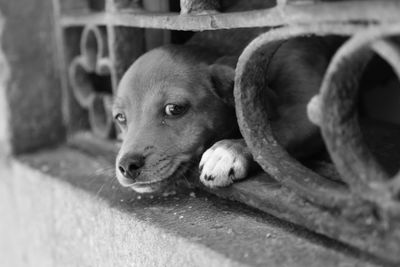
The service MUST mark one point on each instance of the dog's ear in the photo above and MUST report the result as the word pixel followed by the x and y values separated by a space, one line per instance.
pixel 222 80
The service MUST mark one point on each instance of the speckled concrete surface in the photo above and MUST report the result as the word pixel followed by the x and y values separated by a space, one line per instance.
pixel 61 208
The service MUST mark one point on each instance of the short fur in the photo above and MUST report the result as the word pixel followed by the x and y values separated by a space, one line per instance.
pixel 199 77
pixel 170 74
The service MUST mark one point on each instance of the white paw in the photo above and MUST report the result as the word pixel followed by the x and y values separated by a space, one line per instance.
pixel 225 162
pixel 314 110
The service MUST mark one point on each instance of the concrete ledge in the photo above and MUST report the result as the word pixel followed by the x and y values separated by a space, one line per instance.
pixel 63 208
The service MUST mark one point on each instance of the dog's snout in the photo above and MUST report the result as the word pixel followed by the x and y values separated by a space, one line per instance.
pixel 130 165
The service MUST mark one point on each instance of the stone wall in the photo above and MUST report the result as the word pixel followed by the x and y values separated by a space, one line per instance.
pixel 4 77
pixel 30 77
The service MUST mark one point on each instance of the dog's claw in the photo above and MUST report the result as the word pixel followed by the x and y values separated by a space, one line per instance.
pixel 231 172
pixel 209 178
pixel 225 162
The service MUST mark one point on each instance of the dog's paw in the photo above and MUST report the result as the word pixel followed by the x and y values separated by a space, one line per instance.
pixel 314 110
pixel 225 162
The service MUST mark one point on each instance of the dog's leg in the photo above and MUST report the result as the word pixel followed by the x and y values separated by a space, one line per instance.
pixel 226 161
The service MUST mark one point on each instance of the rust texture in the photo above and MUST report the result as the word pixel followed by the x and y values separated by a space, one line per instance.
pixel 340 125
pixel 370 11
pixel 351 207
pixel 355 201
pixel 199 6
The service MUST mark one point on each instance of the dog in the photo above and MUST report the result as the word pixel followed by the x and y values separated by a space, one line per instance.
pixel 175 109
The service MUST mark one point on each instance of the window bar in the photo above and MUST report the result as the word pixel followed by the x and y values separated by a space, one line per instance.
pixel 340 125
pixel 365 211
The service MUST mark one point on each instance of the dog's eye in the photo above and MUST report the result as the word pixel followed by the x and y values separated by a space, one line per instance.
pixel 120 118
pixel 174 109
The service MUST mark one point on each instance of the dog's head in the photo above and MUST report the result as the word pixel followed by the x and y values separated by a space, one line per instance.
pixel 171 104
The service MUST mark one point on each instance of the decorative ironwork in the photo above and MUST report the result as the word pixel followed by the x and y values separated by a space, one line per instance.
pixel 364 209
pixel 371 11
pixel 92 87
pixel 340 126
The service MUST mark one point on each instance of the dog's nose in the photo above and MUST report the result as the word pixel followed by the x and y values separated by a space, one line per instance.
pixel 130 165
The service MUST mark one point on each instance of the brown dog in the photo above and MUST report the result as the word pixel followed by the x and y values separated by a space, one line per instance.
pixel 175 105
pixel 170 107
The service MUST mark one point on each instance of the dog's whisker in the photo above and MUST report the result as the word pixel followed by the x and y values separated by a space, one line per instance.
pixel 104 184
pixel 100 189
pixel 104 170
pixel 169 148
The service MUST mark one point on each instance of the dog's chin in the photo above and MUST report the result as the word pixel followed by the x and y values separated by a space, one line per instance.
pixel 145 187
pixel 167 184
pixel 152 187
pixel 159 185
